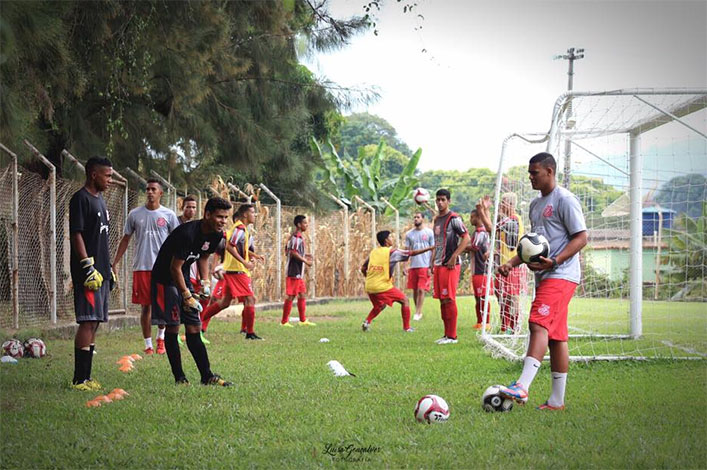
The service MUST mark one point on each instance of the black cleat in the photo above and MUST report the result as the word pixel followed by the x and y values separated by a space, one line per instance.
pixel 181 381
pixel 253 336
pixel 217 380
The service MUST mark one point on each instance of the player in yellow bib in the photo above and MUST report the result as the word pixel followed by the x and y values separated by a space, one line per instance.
pixel 378 270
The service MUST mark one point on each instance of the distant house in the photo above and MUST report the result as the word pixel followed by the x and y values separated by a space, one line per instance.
pixel 608 253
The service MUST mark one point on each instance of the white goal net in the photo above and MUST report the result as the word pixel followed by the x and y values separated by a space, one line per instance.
pixel 637 161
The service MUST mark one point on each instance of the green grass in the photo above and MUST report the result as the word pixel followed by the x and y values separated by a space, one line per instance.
pixel 287 406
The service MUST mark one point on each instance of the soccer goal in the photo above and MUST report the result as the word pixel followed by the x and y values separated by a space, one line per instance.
pixel 637 160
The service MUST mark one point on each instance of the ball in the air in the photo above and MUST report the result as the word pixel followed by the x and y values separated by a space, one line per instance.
pixel 532 246
pixel 35 347
pixel 13 348
pixel 421 195
pixel 492 400
pixel 431 409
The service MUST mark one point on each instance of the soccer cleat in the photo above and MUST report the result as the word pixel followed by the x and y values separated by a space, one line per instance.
pixel 203 338
pixel 545 406
pixel 449 341
pixel 287 325
pixel 516 391
pixel 365 326
pixel 307 323
pixel 409 330
pixel 439 341
pixel 160 347
pixel 93 384
pixel 253 336
pixel 83 387
pixel 417 317
pixel 181 381
pixel 217 380
pixel 477 326
pixel 509 333
pixel 149 351
pixel 244 332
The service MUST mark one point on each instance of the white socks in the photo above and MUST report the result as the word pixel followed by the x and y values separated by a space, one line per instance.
pixel 559 381
pixel 530 368
pixel 148 343
pixel 160 333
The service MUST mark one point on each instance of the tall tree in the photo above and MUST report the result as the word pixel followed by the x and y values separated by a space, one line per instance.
pixel 361 129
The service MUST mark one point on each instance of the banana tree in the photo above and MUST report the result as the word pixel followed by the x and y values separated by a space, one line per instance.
pixel 349 177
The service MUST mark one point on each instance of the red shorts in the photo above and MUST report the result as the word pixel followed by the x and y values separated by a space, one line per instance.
pixel 478 283
pixel 446 281
pixel 387 298
pixel 549 308
pixel 295 286
pixel 238 285
pixel 514 283
pixel 141 287
pixel 419 278
pixel 218 289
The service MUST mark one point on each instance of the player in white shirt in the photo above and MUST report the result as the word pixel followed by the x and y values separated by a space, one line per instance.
pixel 150 224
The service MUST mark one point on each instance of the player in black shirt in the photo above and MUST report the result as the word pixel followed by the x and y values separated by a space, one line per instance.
pixel 173 298
pixel 90 266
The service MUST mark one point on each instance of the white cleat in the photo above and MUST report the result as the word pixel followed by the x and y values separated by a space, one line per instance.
pixel 417 317
pixel 449 341
pixel 439 341
pixel 365 326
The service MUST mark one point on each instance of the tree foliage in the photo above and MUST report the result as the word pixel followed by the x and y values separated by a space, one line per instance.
pixel 187 88
pixel 683 194
pixel 361 129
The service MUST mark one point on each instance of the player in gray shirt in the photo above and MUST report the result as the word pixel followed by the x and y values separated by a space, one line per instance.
pixel 557 215
pixel 418 274
pixel 150 224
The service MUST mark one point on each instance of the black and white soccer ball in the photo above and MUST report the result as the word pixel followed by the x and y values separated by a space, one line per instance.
pixel 492 400
pixel 35 347
pixel 13 348
pixel 532 246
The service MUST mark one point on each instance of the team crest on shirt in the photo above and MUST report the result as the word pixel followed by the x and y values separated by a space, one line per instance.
pixel 161 221
pixel 445 292
pixel 205 246
pixel 544 310
pixel 547 212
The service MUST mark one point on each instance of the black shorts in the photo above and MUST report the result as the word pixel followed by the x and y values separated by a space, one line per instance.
pixel 167 306
pixel 91 305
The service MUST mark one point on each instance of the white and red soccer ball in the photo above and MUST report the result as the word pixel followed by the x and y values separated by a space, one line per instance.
pixel 13 348
pixel 431 409
pixel 421 195
pixel 35 347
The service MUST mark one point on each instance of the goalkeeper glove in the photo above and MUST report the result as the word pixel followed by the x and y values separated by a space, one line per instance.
pixel 94 279
pixel 205 291
pixel 113 279
pixel 189 302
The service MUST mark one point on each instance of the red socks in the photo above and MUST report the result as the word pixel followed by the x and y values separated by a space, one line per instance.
pixel 286 309
pixel 449 317
pixel 248 319
pixel 210 311
pixel 301 308
pixel 373 313
pixel 405 310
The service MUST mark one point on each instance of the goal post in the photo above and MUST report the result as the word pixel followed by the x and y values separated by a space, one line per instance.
pixel 639 166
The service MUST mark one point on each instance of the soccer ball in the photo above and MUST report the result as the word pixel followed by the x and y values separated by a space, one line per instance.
pixel 13 348
pixel 421 195
pixel 492 400
pixel 35 347
pixel 431 409
pixel 532 246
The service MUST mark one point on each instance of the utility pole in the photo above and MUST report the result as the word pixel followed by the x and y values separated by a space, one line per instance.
pixel 572 55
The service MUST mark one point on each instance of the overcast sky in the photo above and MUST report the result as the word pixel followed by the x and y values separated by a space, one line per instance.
pixel 488 69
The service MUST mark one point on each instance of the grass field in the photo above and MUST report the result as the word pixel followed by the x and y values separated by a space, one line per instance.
pixel 287 408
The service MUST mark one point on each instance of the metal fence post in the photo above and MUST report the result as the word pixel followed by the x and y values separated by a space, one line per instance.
pixel 15 276
pixel 278 222
pixel 397 234
pixel 52 230
pixel 373 220
pixel 346 235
